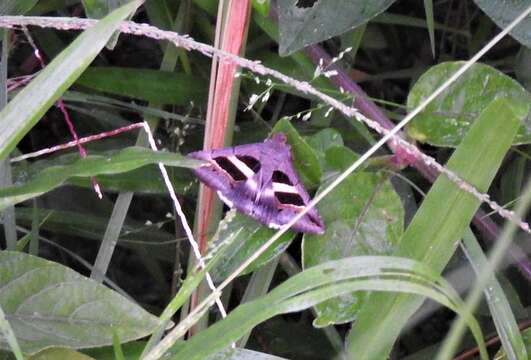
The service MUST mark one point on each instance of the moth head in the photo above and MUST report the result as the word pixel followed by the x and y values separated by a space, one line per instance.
pixel 279 138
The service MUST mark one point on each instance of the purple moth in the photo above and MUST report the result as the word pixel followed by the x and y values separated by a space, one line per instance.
pixel 259 180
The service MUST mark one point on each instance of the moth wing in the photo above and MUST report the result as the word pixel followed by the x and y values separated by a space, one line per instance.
pixel 291 197
pixel 233 173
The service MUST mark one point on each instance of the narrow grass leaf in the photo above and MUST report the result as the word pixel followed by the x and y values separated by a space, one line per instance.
pixel 428 9
pixel 318 284
pixel 144 179
pixel 499 306
pixel 123 161
pixel 25 110
pixel 9 336
pixel 162 87
pixel 438 226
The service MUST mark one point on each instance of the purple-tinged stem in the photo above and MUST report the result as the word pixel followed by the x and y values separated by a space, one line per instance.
pixel 368 108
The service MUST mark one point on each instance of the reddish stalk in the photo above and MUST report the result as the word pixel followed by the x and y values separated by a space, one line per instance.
pixel 234 27
pixel 78 142
pixel 368 108
pixel 66 116
pixel 219 103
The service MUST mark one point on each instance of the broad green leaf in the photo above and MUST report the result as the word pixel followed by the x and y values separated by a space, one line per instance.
pixel 437 227
pixel 319 283
pixel 301 25
pixel 246 236
pixel 59 353
pixel 48 304
pixel 162 87
pixel 305 159
pixel 504 12
pixel 30 104
pixel 339 158
pixel 363 216
pixel 125 160
pixel 446 120
pixel 322 141
pixel 146 179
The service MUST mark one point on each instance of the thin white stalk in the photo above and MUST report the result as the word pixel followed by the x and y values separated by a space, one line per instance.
pixel 184 222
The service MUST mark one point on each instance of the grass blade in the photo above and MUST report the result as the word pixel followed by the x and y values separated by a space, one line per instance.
pixel 437 227
pixel 503 317
pixel 26 109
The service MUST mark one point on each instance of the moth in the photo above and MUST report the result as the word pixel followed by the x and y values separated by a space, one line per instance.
pixel 259 180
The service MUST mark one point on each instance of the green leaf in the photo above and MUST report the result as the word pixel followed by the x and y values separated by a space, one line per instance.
pixel 428 8
pixel 522 65
pixel 242 354
pixel 500 309
pixel 16 7
pixel 301 26
pixel 324 140
pixel 132 351
pixel 112 163
pixel 246 235
pixel 59 353
pixel 304 157
pixel 146 179
pixel 437 227
pixel 504 12
pixel 135 235
pixel 526 335
pixel 162 87
pixel 363 216
pixel 446 120
pixel 317 284
pixel 97 9
pixel 49 304
pixel 30 104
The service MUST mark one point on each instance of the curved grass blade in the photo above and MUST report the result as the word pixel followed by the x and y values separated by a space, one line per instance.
pixel 322 282
pixel 499 306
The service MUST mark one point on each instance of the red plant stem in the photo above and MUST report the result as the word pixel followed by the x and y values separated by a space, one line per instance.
pixel 368 108
pixel 220 93
pixel 78 142
pixel 215 127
